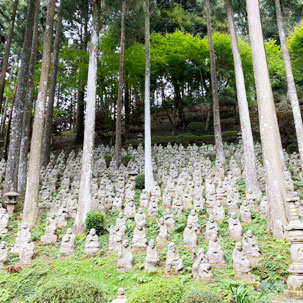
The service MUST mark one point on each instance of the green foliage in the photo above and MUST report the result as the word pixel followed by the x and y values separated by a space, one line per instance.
pixel 196 128
pixel 107 159
pixel 199 296
pixel 68 290
pixel 126 159
pixel 140 181
pixel 95 219
pixel 161 291
pixel 240 294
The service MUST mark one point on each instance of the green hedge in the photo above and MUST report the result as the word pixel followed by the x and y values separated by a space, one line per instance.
pixel 95 219
pixel 161 291
pixel 69 290
pixel 199 296
pixel 140 181
pixel 196 128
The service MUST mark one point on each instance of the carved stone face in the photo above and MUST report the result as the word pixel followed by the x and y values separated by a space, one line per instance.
pixel 92 232
pixel 249 234
pixel 125 243
pixel 239 246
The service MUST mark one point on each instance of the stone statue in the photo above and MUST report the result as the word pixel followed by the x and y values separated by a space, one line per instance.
pixel 163 236
pixel 190 236
pixel 251 248
pixel 125 257
pixel 169 219
pixel 3 253
pixel 219 213
pixel 193 219
pixel 201 268
pixel 234 227
pixel 4 218
pixel 245 213
pixel 152 259
pixel 211 228
pixel 121 296
pixel 22 235
pixel 140 217
pixel 50 230
pixel 139 238
pixel 215 253
pixel 173 260
pixel 68 242
pixel 115 238
pixel 121 222
pixel 92 245
pixel 26 252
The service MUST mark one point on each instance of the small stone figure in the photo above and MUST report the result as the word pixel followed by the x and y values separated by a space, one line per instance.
pixel 190 236
pixel 121 222
pixel 50 230
pixel 263 206
pixel 140 217
pixel 219 213
pixel 163 236
pixel 234 227
pixel 201 268
pixel 251 248
pixel 245 213
pixel 241 263
pixel 3 253
pixel 62 215
pixel 130 210
pixel 193 219
pixel 169 219
pixel 125 257
pixel 22 235
pixel 139 238
pixel 115 238
pixel 26 252
pixel 92 245
pixel 4 218
pixel 173 260
pixel 211 228
pixel 68 242
pixel 152 259
pixel 121 296
pixel 215 253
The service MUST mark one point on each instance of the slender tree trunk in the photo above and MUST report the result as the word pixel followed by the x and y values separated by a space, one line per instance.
pixel 11 176
pixel 7 50
pixel 275 186
pixel 216 110
pixel 118 143
pixel 84 203
pixel 47 136
pixel 179 103
pixel 127 109
pixel 30 209
pixel 80 117
pixel 292 91
pixel 148 169
pixel 28 107
pixel 251 179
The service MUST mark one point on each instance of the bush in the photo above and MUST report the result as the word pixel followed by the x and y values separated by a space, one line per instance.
pixel 140 181
pixel 196 128
pixel 107 159
pixel 95 219
pixel 199 296
pixel 230 136
pixel 160 291
pixel 126 159
pixel 69 290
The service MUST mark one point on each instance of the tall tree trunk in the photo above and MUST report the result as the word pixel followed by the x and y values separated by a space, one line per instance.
pixel 11 176
pixel 275 186
pixel 30 209
pixel 179 102
pixel 7 50
pixel 127 107
pixel 84 202
pixel 251 179
pixel 118 143
pixel 292 91
pixel 148 169
pixel 80 116
pixel 216 110
pixel 28 107
pixel 47 136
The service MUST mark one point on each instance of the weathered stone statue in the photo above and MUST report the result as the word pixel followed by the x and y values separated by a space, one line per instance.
pixel 92 244
pixel 263 206
pixel 241 263
pixel 140 217
pixel 4 218
pixel 173 260
pixel 152 259
pixel 201 268
pixel 121 296
pixel 26 252
pixel 22 235
pixel 251 248
pixel 130 210
pixel 169 219
pixel 215 253
pixel 234 227
pixel 163 236
pixel 121 222
pixel 190 236
pixel 193 219
pixel 139 238
pixel 211 228
pixel 115 238
pixel 3 253
pixel 219 213
pixel 68 242
pixel 245 213
pixel 50 230
pixel 125 257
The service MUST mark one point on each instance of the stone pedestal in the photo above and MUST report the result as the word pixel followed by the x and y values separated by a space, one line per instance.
pixel 10 199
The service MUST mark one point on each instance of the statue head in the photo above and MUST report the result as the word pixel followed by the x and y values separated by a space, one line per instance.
pixel 239 246
pixel 92 232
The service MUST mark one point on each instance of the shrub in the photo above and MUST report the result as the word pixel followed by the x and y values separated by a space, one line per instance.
pixel 95 219
pixel 140 181
pixel 160 291
pixel 69 290
pixel 199 296
pixel 107 159
pixel 126 159
pixel 196 128
pixel 230 136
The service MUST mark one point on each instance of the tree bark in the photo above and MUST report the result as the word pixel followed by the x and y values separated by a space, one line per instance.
pixel 275 187
pixel 216 110
pixel 30 209
pixel 28 107
pixel 7 50
pixel 179 103
pixel 11 176
pixel 148 169
pixel 80 116
pixel 127 107
pixel 251 180
pixel 118 143
pixel 292 91
pixel 47 136
pixel 84 202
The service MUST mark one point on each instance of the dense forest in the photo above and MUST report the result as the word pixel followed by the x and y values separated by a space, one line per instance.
pixel 151 147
